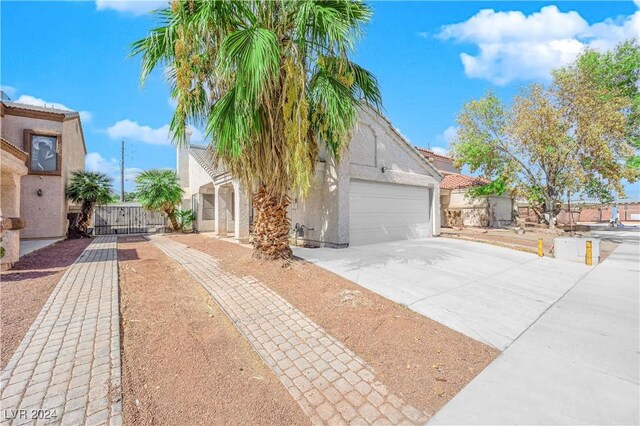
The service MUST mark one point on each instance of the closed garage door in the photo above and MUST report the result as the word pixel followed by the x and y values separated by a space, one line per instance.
pixel 385 212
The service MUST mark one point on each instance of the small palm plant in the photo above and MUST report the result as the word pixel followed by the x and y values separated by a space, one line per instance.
pixel 186 219
pixel 87 189
pixel 159 190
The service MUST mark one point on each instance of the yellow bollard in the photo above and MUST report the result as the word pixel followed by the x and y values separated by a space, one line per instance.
pixel 588 255
pixel 540 248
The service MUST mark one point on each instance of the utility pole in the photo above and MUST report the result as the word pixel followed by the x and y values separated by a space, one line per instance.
pixel 122 173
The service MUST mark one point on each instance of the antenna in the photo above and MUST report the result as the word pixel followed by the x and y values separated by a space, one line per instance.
pixel 122 172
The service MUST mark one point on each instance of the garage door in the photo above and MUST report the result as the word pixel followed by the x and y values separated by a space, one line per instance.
pixel 385 212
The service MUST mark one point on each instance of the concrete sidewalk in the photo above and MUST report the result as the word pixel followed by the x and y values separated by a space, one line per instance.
pixel 578 364
pixel 491 294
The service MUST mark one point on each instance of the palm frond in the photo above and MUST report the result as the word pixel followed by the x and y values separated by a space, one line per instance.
pixel 90 187
pixel 158 189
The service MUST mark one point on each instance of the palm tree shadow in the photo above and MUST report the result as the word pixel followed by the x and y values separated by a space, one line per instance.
pixel 408 252
pixel 25 275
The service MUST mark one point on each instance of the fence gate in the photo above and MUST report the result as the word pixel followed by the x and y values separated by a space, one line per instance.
pixel 119 220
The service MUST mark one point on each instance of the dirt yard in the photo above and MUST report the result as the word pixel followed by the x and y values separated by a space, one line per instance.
pixel 527 242
pixel 25 288
pixel 418 359
pixel 184 363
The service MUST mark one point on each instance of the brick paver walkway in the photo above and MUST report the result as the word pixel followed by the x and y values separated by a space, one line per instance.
pixel 330 382
pixel 67 368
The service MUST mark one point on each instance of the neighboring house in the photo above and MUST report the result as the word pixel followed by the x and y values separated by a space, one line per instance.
pixel 457 209
pixel 381 190
pixel 442 163
pixel 49 144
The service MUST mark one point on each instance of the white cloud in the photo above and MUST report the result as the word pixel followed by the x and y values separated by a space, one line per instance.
pixel 514 46
pixel 173 103
pixel 637 2
pixel 449 134
pixel 85 116
pixel 134 7
pixel 131 130
pixel 95 162
pixel 9 90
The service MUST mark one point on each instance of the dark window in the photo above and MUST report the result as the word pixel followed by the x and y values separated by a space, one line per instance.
pixel 208 212
pixel 44 152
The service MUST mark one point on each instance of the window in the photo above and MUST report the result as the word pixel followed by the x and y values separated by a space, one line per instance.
pixel 44 152
pixel 208 212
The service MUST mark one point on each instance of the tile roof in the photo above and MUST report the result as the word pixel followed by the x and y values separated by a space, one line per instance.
pixel 66 113
pixel 458 181
pixel 205 157
pixel 428 152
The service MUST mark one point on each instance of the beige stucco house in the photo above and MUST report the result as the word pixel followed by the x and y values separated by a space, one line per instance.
pixel 457 208
pixel 49 145
pixel 381 190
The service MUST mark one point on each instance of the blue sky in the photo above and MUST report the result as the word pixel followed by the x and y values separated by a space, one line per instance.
pixel 430 57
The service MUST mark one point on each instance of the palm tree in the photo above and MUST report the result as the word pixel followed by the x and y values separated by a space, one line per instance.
pixel 87 189
pixel 269 81
pixel 159 190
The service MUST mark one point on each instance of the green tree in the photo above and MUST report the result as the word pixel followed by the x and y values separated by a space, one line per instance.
pixel 87 189
pixel 571 137
pixel 270 81
pixel 159 190
pixel 617 71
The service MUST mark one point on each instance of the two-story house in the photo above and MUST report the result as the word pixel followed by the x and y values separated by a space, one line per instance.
pixel 41 147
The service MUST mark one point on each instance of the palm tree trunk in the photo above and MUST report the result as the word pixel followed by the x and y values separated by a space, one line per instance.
pixel 78 229
pixel 85 217
pixel 172 218
pixel 271 226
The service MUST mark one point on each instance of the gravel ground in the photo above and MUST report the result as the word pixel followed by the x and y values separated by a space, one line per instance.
pixel 25 288
pixel 184 363
pixel 419 359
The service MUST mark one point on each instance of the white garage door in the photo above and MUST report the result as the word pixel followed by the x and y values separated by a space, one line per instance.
pixel 385 212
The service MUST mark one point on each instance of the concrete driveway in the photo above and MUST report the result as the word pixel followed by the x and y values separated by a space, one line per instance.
pixel 570 333
pixel 578 364
pixel 489 293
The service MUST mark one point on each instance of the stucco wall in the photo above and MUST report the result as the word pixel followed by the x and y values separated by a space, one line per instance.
pixel 12 170
pixel 491 211
pixel 316 211
pixel 13 127
pixel 374 144
pixel 443 165
pixel 46 215
pixel 197 177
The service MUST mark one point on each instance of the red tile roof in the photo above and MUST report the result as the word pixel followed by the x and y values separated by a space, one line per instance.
pixel 428 152
pixel 458 181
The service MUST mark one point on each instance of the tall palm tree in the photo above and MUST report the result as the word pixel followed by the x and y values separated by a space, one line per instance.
pixel 87 189
pixel 159 190
pixel 269 81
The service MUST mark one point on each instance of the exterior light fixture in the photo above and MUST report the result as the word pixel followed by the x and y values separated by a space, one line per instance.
pixel 384 169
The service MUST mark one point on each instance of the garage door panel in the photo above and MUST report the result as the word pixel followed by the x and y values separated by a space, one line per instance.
pixel 384 212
